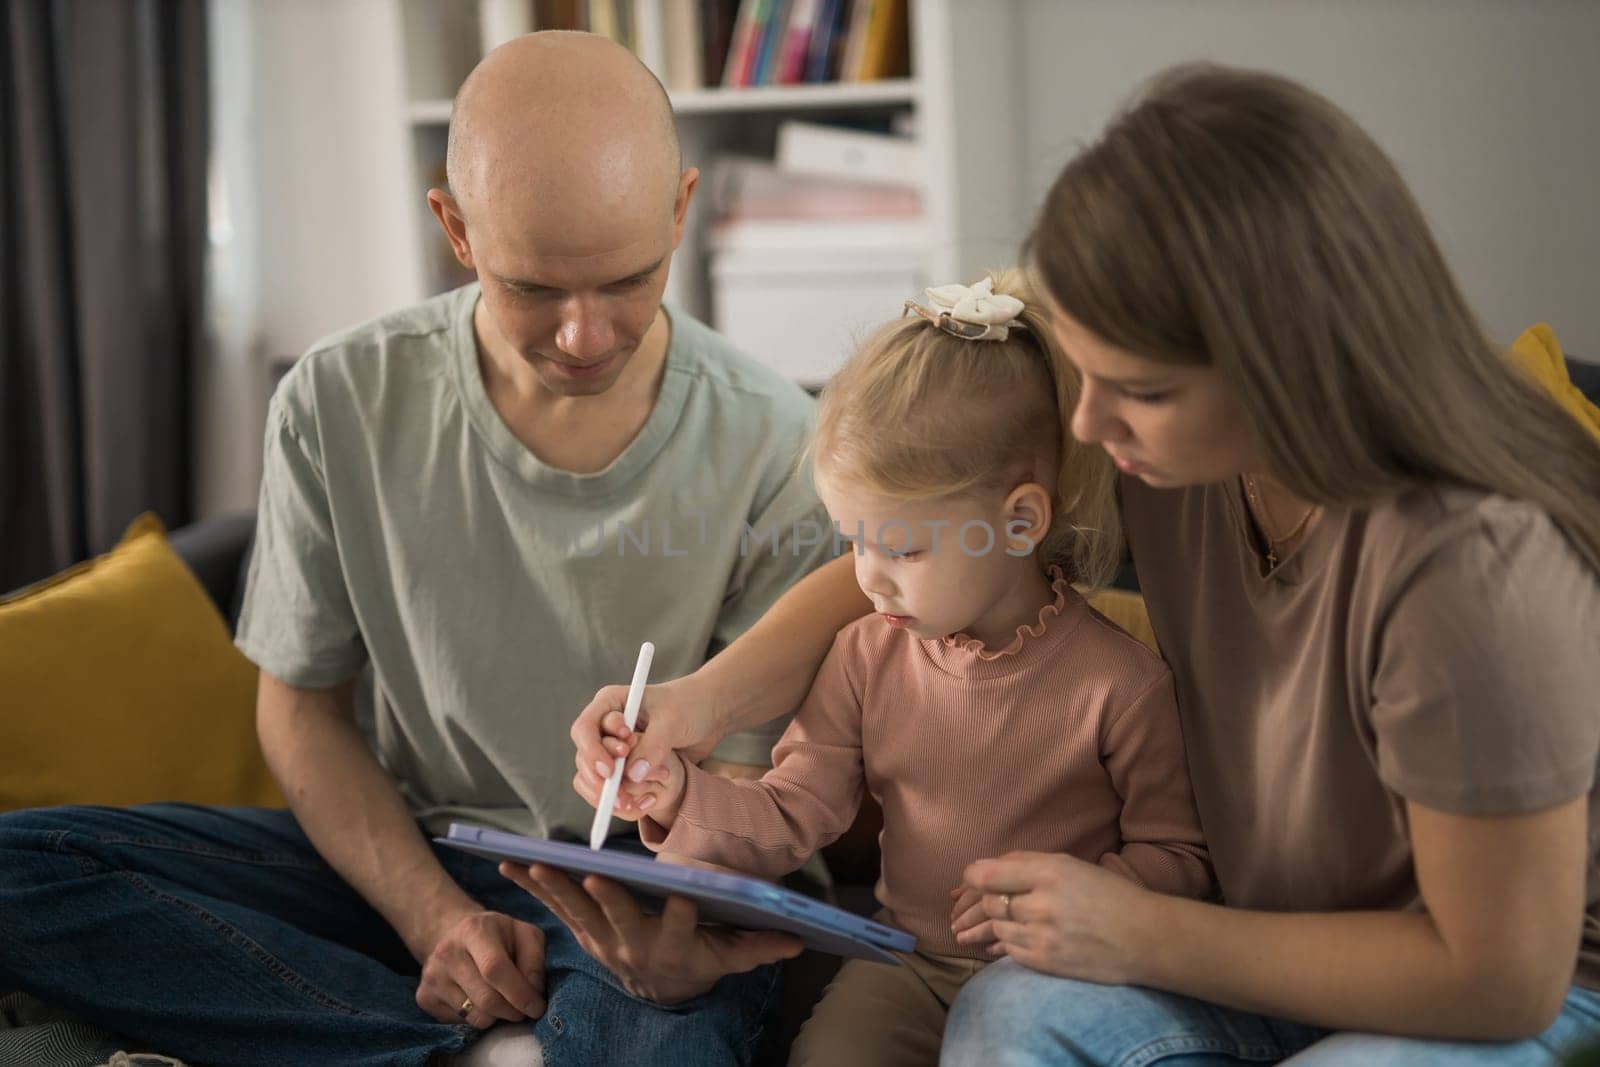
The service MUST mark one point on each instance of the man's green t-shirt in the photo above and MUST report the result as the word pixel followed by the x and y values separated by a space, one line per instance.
pixel 402 523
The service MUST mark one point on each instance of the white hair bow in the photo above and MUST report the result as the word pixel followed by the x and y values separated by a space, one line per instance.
pixel 974 312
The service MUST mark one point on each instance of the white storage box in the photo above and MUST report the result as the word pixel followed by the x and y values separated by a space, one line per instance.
pixel 849 155
pixel 799 296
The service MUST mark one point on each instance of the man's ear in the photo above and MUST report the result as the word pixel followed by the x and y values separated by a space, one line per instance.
pixel 1028 514
pixel 448 212
pixel 687 184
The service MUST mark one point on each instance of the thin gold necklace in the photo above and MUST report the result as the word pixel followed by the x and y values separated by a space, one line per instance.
pixel 1262 518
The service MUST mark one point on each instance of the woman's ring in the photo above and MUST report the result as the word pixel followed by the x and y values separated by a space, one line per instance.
pixel 465 1009
pixel 1005 899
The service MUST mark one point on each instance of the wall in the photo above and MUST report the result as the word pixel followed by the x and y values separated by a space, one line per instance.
pixel 1487 107
pixel 312 226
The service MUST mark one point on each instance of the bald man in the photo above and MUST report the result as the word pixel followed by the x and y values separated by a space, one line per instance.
pixel 490 498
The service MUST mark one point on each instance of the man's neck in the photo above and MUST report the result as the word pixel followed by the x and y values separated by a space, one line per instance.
pixel 580 434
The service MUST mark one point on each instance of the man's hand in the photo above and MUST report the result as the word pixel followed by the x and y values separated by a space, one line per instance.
pixel 484 967
pixel 665 958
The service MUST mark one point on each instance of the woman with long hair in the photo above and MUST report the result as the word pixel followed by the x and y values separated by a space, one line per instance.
pixel 1369 549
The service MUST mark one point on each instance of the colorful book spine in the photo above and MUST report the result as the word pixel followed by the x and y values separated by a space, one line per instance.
pixel 742 49
pixel 767 37
pixel 855 42
pixel 796 43
pixel 886 54
pixel 819 54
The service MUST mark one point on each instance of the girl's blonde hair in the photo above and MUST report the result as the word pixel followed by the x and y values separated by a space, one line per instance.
pixel 918 413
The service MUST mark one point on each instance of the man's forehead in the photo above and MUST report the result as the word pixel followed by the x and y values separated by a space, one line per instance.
pixel 573 257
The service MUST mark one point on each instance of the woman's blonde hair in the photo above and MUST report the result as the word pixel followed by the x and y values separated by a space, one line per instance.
pixel 1237 219
pixel 918 413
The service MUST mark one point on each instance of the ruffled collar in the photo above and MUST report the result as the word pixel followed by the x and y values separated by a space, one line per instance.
pixel 1030 631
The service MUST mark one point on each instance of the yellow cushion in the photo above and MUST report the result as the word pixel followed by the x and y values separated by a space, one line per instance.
pixel 1127 611
pixel 1539 353
pixel 122 685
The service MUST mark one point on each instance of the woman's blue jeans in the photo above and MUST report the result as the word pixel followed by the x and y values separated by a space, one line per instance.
pixel 1010 1016
pixel 219 935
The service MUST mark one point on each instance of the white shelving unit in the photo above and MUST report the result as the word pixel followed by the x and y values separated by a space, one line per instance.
pixel 962 102
pixel 893 92
pixel 890 93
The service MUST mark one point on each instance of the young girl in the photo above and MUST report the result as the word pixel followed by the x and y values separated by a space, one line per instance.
pixel 985 706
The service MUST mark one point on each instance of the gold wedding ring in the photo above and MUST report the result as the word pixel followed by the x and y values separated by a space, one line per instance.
pixel 1005 899
pixel 465 1009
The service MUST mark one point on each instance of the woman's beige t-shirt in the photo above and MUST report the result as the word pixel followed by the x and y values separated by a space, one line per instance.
pixel 1442 648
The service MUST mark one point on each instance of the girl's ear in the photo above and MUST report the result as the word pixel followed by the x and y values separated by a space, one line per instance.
pixel 1028 513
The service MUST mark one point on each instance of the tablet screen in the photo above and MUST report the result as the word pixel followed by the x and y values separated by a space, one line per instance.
pixel 731 899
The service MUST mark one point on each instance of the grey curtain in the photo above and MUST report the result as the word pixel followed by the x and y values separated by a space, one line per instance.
pixel 103 143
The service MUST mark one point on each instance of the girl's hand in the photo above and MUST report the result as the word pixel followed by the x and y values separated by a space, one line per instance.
pixel 1063 916
pixel 660 800
pixel 674 715
pixel 967 914
pixel 657 798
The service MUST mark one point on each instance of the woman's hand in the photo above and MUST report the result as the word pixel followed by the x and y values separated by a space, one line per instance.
pixel 665 958
pixel 1057 914
pixel 484 967
pixel 676 715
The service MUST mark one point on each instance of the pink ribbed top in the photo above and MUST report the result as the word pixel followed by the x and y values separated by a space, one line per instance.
pixel 1066 741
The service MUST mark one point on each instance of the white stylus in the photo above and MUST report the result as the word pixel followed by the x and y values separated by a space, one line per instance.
pixel 630 715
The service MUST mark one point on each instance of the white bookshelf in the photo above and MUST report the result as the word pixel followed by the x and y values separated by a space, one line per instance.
pixel 891 92
pixel 961 100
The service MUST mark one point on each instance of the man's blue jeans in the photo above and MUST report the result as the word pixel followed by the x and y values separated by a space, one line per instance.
pixel 221 936
pixel 1010 1016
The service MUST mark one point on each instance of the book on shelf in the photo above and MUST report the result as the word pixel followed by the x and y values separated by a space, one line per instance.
pixel 759 236
pixel 886 52
pixel 693 44
pixel 855 40
pixel 746 43
pixel 746 189
pixel 601 18
pixel 560 15
pixel 796 42
pixel 826 46
pixel 771 38
pixel 717 19
pixel 763 215
pixel 684 59
pixel 614 19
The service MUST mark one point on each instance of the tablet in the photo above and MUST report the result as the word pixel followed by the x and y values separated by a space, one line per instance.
pixel 731 899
